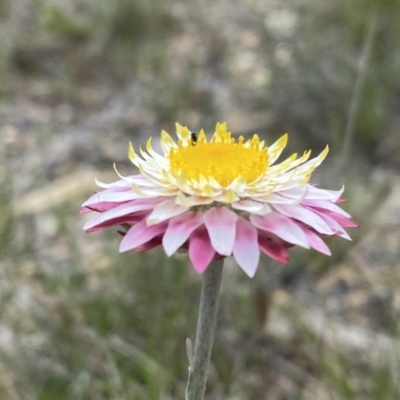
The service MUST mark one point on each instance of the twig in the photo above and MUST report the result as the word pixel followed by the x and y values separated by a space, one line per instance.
pixel 356 97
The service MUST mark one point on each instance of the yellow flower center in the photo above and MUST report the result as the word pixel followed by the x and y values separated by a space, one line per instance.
pixel 222 158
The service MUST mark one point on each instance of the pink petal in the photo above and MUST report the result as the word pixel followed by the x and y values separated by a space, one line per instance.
pixel 179 230
pixel 130 219
pixel 139 234
pixel 201 252
pixel 333 224
pixel 316 242
pixel 272 248
pixel 151 244
pixel 164 211
pixel 101 207
pixel 304 215
pixel 221 226
pixel 281 226
pixel 246 250
pixel 131 207
pixel 325 205
pixel 345 222
pixel 122 210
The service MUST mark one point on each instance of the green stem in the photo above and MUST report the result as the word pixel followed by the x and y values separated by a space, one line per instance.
pixel 356 98
pixel 205 330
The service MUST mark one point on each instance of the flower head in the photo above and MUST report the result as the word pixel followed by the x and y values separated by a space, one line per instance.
pixel 220 198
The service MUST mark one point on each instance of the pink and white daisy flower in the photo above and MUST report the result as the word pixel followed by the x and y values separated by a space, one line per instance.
pixel 220 198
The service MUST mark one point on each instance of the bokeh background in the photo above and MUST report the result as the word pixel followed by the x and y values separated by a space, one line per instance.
pixel 79 79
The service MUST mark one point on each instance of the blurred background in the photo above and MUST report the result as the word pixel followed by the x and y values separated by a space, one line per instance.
pixel 79 80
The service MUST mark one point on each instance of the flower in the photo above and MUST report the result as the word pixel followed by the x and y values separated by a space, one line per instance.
pixel 220 198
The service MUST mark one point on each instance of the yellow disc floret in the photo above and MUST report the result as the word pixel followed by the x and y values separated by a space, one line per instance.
pixel 222 158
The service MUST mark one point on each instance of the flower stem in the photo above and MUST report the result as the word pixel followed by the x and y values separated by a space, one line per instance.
pixel 205 330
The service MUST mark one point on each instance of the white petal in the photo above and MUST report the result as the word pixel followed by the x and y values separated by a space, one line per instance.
pixel 252 207
pixel 159 158
pixel 326 205
pixel 246 249
pixel 238 184
pixel 314 162
pixel 227 196
pixel 179 230
pixel 276 198
pixel 164 211
pixel 221 226
pixel 167 143
pixel 190 201
pixel 183 133
pixel 111 197
pixel 275 150
pixel 304 215
pixel 281 226
pixel 314 193
pixel 121 183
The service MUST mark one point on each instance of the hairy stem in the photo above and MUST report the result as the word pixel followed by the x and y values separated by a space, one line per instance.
pixel 205 331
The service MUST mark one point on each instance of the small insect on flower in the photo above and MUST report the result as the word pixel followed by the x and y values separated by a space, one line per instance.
pixel 221 197
pixel 193 138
